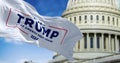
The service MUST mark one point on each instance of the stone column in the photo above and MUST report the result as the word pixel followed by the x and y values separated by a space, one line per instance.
pixel 76 47
pixel 77 20
pixel 102 42
pixel 88 42
pixel 79 46
pixel 112 39
pixel 95 41
pixel 82 44
pixel 109 41
pixel 116 44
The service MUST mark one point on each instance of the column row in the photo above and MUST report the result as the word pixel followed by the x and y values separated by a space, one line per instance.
pixel 99 42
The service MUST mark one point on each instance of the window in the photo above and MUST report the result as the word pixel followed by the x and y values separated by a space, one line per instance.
pixel 78 44
pixel 85 41
pixel 75 20
pixel 104 42
pixel 70 18
pixel 113 21
pixel 103 18
pixel 97 17
pixel 98 42
pixel 91 42
pixel 108 18
pixel 91 17
pixel 80 18
pixel 85 19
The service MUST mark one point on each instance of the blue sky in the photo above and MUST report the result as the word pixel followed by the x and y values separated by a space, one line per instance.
pixel 15 52
pixel 49 7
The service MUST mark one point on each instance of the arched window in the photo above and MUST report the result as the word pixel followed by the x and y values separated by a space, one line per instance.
pixel 75 20
pixel 70 18
pixel 97 17
pixel 103 18
pixel 108 20
pixel 113 21
pixel 91 17
pixel 80 19
pixel 85 19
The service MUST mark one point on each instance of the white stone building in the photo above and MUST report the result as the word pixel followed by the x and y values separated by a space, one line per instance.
pixel 99 21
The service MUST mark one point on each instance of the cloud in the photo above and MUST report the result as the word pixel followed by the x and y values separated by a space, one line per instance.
pixel 34 60
pixel 11 35
pixel 13 41
pixel 30 61
pixel 22 60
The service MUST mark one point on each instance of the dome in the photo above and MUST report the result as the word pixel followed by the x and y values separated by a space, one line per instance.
pixel 91 5
pixel 79 3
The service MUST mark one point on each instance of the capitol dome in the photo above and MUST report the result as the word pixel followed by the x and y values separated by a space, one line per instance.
pixel 99 21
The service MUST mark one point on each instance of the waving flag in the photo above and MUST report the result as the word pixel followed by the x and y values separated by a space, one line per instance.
pixel 20 21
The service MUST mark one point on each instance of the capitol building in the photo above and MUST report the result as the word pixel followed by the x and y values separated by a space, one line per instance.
pixel 99 21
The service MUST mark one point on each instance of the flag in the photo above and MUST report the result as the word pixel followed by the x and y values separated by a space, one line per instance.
pixel 20 21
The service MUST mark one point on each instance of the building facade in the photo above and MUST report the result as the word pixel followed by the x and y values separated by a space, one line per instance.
pixel 99 21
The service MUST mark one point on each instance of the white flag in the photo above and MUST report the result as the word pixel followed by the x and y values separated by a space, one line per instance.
pixel 23 23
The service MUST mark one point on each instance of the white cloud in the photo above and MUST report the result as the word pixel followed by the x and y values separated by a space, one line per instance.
pixel 22 60
pixel 13 41
pixel 13 35
pixel 38 60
